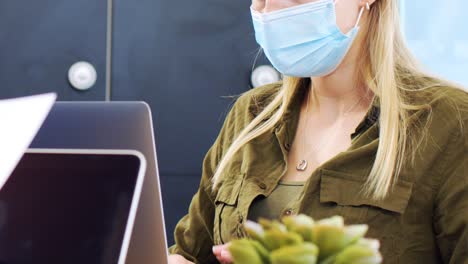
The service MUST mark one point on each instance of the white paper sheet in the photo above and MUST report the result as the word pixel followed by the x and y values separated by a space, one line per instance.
pixel 20 120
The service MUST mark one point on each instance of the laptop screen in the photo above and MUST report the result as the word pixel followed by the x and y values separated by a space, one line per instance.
pixel 66 208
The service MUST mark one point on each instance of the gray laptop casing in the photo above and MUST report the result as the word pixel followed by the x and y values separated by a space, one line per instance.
pixel 115 125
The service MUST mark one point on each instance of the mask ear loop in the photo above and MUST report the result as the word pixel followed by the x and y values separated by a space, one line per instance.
pixel 360 15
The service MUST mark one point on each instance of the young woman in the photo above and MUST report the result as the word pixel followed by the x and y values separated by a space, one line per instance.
pixel 355 129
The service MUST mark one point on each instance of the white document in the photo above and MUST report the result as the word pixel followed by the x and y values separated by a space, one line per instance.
pixel 20 120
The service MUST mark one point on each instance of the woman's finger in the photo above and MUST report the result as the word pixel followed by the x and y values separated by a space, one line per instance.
pixel 226 256
pixel 222 253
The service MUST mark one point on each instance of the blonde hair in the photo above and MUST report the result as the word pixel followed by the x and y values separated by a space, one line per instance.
pixel 389 70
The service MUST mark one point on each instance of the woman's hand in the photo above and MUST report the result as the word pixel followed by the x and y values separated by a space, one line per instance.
pixel 178 259
pixel 222 253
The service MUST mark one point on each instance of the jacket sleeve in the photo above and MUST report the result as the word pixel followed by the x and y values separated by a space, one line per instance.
pixel 451 208
pixel 194 232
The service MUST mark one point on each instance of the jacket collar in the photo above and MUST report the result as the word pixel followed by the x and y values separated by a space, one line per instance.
pixel 285 129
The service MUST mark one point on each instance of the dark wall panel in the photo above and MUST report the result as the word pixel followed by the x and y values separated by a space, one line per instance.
pixel 179 190
pixel 181 57
pixel 40 40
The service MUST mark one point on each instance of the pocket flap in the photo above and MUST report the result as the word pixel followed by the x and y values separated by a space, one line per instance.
pixel 344 189
pixel 229 189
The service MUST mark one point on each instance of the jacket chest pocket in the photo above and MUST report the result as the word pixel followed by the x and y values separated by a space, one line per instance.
pixel 344 190
pixel 228 221
pixel 382 217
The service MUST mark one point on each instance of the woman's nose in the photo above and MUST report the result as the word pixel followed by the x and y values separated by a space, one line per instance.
pixel 258 5
pixel 266 6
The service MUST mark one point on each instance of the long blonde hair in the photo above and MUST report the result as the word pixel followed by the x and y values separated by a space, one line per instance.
pixel 389 70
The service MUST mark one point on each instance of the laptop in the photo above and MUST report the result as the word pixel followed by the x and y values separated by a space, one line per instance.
pixel 70 206
pixel 115 125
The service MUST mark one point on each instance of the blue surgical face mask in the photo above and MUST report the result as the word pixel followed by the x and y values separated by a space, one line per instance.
pixel 304 40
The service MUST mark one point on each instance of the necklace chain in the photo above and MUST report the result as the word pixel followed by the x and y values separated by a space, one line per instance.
pixel 302 165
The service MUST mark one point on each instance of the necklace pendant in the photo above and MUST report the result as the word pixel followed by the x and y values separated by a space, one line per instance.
pixel 302 165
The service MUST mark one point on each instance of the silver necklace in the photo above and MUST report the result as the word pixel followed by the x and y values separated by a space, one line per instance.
pixel 302 165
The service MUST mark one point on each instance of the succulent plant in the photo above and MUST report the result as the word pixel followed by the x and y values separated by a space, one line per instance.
pixel 301 240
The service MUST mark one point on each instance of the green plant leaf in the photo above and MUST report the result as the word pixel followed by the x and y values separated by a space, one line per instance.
pixel 305 253
pixel 244 251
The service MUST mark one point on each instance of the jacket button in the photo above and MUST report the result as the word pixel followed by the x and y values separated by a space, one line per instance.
pixel 288 212
pixel 287 146
pixel 241 219
pixel 262 185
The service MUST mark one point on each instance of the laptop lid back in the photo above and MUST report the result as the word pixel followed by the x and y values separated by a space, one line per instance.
pixel 115 125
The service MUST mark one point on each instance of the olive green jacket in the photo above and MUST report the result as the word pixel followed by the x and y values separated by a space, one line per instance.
pixel 423 220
